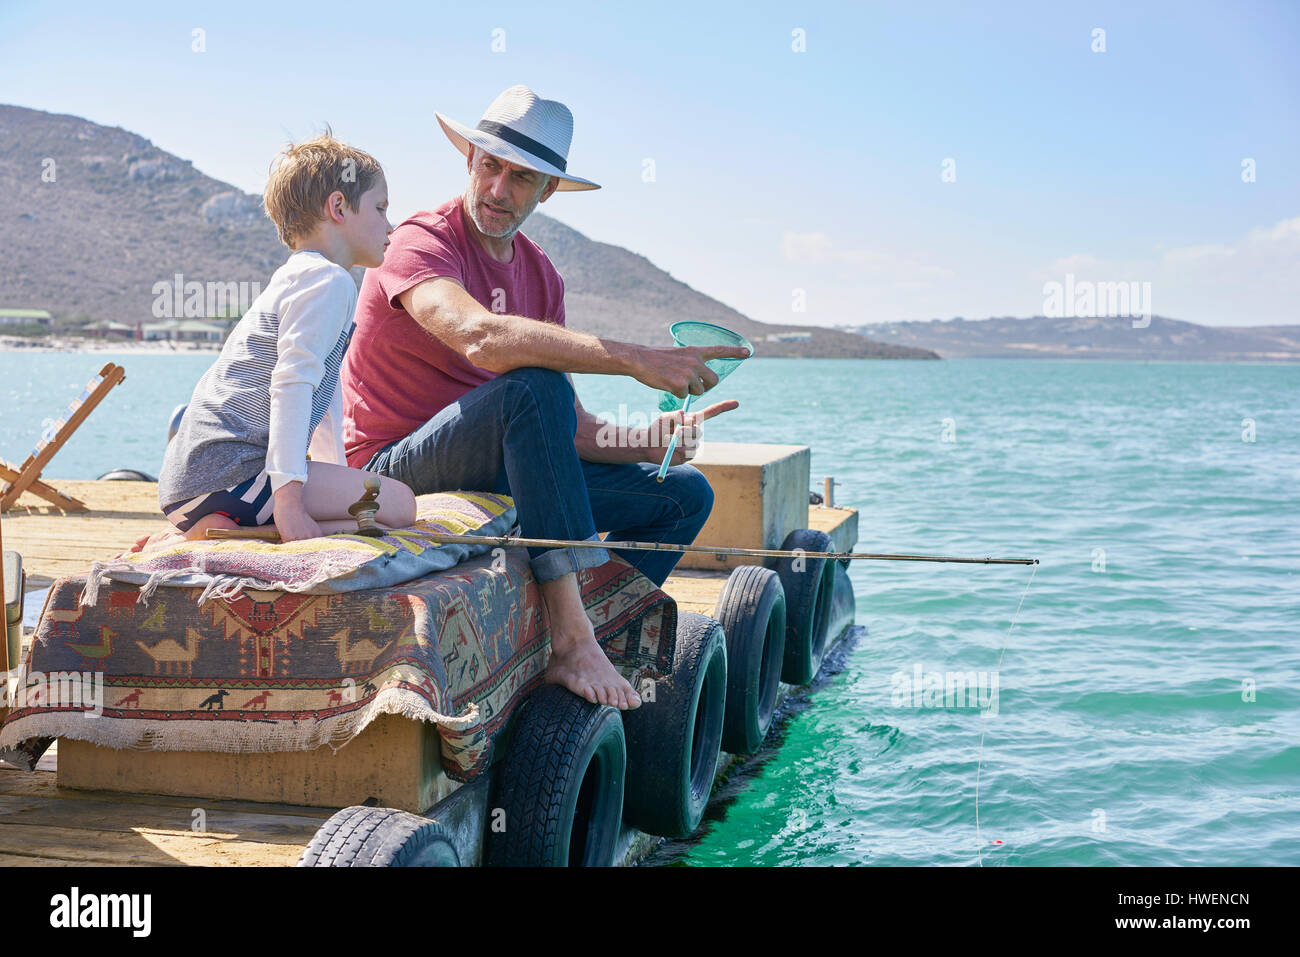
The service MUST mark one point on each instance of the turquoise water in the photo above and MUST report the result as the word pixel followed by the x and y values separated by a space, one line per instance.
pixel 1124 732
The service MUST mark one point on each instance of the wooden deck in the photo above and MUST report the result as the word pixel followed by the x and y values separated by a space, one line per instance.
pixel 42 824
pixel 55 543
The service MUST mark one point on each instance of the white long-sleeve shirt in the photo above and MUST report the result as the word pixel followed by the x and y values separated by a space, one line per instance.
pixel 273 391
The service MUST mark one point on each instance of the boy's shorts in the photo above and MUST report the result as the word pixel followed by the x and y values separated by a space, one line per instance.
pixel 248 503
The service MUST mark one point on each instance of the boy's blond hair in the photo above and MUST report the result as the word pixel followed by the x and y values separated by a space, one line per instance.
pixel 303 177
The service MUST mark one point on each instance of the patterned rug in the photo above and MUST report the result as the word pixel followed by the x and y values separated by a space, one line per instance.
pixel 280 671
pixel 330 564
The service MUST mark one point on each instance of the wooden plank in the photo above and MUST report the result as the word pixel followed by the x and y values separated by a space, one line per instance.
pixel 75 530
pixel 40 823
pixel 42 784
pixel 141 847
pixel 21 860
pixel 35 553
pixel 695 591
pixel 393 759
pixel 137 497
pixel 55 544
pixel 841 524
pixel 96 815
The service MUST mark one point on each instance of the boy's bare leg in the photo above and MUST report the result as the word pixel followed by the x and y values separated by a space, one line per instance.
pixel 577 661
pixel 331 489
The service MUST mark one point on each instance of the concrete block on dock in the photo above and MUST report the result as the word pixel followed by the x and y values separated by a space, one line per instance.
pixel 760 495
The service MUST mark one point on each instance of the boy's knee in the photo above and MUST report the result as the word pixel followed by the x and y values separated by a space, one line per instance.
pixel 408 508
pixel 399 509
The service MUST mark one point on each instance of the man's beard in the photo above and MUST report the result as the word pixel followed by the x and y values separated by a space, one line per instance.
pixel 500 233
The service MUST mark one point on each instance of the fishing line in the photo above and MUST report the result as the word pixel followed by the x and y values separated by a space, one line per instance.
pixel 984 719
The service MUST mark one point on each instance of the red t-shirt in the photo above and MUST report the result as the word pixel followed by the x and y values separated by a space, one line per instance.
pixel 397 375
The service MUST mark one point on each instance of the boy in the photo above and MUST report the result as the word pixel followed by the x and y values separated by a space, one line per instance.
pixel 240 455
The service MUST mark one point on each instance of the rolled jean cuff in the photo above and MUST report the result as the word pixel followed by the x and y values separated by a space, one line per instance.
pixel 556 562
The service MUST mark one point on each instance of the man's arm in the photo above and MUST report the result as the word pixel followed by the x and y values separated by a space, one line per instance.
pixel 500 343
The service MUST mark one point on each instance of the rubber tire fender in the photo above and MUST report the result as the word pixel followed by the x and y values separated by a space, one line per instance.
pixel 362 836
pixel 751 610
pixel 808 594
pixel 126 475
pixel 674 738
pixel 560 785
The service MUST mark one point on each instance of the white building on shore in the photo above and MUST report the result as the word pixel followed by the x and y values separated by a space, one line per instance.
pixel 183 330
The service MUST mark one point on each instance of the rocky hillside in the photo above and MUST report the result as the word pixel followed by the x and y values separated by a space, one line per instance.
pixel 1097 338
pixel 95 216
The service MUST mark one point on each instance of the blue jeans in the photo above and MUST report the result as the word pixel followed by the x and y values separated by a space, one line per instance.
pixel 514 435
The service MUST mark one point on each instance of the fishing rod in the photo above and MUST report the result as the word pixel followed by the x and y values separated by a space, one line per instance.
pixel 505 540
pixel 367 507
pixel 270 534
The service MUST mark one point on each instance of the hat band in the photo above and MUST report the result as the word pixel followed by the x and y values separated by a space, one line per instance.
pixel 515 138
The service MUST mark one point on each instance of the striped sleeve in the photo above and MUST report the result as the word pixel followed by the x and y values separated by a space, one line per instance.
pixel 312 316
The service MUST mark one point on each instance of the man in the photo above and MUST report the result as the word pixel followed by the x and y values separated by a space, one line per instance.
pixel 457 379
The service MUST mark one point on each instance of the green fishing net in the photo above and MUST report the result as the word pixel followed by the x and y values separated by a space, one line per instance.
pixel 689 333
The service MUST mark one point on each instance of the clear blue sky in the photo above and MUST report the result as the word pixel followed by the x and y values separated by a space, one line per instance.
pixel 775 170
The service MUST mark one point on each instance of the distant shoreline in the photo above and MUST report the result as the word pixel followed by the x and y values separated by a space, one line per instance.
pixel 75 344
pixel 72 344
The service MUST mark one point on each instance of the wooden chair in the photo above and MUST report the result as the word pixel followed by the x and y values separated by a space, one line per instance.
pixel 26 477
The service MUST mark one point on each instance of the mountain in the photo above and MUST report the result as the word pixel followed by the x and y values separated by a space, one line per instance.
pixel 614 293
pixel 1100 338
pixel 94 216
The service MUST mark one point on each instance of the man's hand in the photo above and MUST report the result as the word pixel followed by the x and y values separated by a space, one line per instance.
pixel 291 518
pixel 662 428
pixel 680 369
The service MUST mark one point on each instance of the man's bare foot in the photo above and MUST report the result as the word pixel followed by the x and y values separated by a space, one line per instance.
pixel 577 661
pixel 581 666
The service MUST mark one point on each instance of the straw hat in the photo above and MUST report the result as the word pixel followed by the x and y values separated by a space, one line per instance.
pixel 522 128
